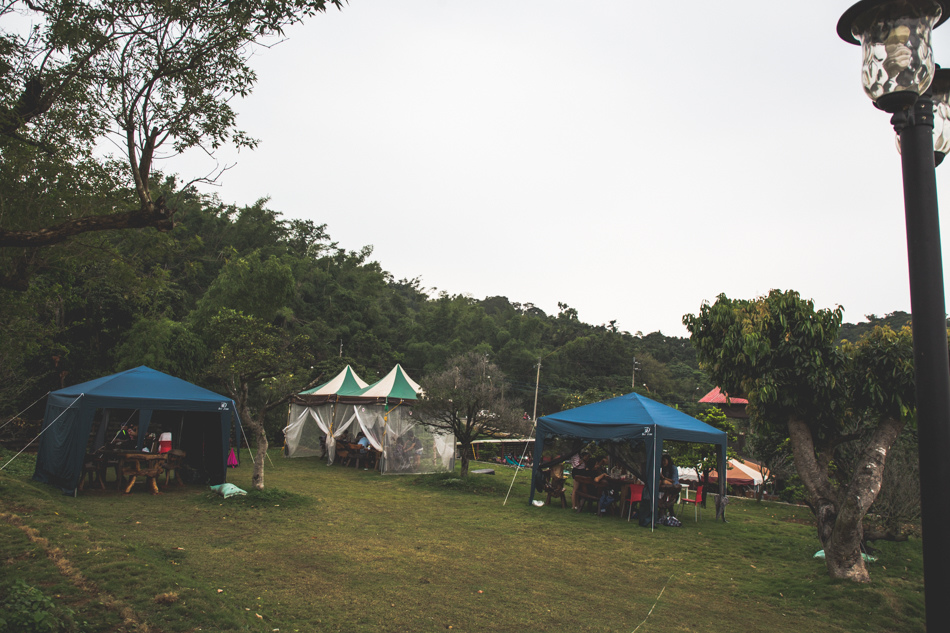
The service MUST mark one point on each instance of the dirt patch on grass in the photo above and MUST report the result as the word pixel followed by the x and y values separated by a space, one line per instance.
pixel 75 577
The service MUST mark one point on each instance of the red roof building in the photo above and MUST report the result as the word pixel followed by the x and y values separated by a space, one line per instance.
pixel 718 396
pixel 732 407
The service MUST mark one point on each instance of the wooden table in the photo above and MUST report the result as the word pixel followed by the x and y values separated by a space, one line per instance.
pixel 134 464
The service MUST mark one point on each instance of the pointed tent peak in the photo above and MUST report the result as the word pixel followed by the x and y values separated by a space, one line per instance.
pixel 346 383
pixel 395 384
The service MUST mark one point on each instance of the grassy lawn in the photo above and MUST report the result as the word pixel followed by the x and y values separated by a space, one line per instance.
pixel 334 549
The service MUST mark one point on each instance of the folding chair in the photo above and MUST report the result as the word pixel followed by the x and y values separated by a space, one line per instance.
pixel 696 501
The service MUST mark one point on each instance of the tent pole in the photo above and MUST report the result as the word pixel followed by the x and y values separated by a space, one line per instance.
pixel 653 486
pixel 537 384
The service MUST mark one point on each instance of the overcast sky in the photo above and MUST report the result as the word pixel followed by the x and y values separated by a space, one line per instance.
pixel 628 160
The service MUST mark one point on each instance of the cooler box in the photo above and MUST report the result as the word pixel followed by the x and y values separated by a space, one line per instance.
pixel 164 442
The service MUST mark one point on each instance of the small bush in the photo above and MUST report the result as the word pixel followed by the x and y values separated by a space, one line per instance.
pixel 26 609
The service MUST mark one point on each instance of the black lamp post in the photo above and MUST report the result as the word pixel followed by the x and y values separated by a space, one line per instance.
pixel 897 74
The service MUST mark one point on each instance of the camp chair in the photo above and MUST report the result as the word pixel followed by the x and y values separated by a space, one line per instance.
pixel 588 492
pixel 696 501
pixel 342 453
pixel 351 454
pixel 175 460
pixel 93 467
pixel 635 496
pixel 554 485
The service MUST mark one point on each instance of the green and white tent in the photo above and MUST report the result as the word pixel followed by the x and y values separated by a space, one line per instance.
pixel 396 385
pixel 346 383
pixel 382 411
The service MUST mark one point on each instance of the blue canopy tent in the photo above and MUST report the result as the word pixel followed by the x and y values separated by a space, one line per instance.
pixel 68 422
pixel 630 418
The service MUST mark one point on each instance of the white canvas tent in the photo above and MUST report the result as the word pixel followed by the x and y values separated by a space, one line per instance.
pixel 382 411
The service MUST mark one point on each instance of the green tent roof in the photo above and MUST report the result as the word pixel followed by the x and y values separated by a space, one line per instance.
pixel 346 383
pixel 396 384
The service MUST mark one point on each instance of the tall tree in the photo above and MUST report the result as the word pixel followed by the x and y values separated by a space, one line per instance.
pixel 781 353
pixel 154 78
pixel 468 399
pixel 256 363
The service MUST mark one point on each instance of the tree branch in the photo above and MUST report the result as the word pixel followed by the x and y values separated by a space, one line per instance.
pixel 155 215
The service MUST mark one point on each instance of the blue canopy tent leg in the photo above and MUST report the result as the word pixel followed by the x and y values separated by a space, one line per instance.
pixel 536 466
pixel 652 483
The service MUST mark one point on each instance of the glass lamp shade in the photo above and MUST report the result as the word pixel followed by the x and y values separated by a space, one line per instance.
pixel 895 44
pixel 940 89
pixel 941 96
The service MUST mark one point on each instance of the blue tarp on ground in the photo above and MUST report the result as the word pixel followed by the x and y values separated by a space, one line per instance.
pixel 69 418
pixel 629 418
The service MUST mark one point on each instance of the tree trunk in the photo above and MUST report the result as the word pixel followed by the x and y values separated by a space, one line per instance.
pixel 843 553
pixel 239 395
pixel 257 480
pixel 464 470
pixel 840 518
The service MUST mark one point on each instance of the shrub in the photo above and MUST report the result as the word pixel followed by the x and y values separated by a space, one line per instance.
pixel 26 609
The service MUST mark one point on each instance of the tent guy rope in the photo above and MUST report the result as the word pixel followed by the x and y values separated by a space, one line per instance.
pixel 518 467
pixel 42 431
pixel 654 604
pixel 23 411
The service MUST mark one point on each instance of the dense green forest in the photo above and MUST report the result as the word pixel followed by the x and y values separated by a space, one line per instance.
pixel 108 301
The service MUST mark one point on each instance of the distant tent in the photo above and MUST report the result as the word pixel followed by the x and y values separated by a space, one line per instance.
pixel 70 416
pixel 382 411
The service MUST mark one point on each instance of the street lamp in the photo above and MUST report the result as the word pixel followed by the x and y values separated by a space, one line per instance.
pixel 897 73
pixel 940 90
pixel 941 96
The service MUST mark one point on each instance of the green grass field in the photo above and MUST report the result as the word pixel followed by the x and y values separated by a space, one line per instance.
pixel 335 549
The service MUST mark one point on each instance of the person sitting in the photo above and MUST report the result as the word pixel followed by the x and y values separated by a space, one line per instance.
pixel 127 439
pixel 593 469
pixel 414 449
pixel 363 441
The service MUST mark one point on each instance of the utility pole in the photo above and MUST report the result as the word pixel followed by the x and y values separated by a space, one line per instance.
pixel 537 383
